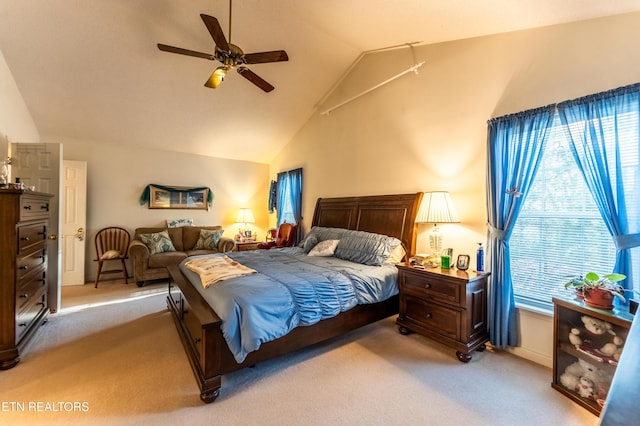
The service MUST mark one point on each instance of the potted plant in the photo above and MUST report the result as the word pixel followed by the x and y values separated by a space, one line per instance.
pixel 598 292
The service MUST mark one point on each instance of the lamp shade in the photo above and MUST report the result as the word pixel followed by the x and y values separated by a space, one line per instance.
pixel 245 215
pixel 436 207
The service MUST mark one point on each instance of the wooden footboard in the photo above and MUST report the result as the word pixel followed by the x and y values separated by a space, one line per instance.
pixel 199 329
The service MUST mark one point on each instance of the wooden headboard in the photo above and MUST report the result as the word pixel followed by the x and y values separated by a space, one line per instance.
pixel 392 215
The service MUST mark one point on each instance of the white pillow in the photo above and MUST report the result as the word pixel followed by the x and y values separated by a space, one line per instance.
pixel 324 248
pixel 396 255
pixel 177 223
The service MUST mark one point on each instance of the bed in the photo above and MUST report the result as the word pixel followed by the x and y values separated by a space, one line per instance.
pixel 200 327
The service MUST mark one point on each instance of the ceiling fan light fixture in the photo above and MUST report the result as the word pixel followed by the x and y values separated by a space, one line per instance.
pixel 218 76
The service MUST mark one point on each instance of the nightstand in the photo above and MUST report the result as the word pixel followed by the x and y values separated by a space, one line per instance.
pixel 446 305
pixel 246 245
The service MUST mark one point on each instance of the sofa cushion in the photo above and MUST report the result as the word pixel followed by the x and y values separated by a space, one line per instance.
pixel 158 242
pixel 209 239
pixel 161 260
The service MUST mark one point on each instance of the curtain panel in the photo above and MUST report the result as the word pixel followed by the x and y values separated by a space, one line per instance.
pixel 594 124
pixel 515 144
pixel 289 197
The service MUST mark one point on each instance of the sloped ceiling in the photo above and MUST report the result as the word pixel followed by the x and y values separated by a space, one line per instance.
pixel 90 70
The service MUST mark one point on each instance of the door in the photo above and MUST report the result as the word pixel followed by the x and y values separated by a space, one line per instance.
pixel 74 221
pixel 39 165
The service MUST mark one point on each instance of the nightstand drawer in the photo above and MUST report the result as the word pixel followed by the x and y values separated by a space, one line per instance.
pixel 435 318
pixel 432 287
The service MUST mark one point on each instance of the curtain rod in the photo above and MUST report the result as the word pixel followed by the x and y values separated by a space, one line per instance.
pixel 408 70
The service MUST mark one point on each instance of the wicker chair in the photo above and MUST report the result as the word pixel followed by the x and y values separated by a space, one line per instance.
pixel 111 245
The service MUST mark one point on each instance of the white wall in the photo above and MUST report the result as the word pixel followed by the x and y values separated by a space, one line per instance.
pixel 428 131
pixel 16 123
pixel 117 174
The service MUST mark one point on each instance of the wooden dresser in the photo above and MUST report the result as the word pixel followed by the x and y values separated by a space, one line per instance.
pixel 446 305
pixel 23 268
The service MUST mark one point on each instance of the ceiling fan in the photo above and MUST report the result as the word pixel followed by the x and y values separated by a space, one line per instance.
pixel 230 55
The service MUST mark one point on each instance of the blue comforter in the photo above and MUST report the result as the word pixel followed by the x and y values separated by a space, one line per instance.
pixel 290 289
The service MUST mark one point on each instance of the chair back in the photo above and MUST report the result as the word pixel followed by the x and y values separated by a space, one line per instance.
pixel 286 235
pixel 112 238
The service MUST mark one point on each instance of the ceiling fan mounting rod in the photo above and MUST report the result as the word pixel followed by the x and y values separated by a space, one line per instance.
pixel 230 7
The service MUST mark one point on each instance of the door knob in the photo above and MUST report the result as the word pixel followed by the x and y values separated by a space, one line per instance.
pixel 52 237
pixel 80 234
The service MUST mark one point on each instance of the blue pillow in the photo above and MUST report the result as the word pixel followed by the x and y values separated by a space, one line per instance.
pixel 366 248
pixel 362 247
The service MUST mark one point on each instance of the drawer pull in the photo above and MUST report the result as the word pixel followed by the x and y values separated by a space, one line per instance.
pixel 196 340
pixel 44 207
pixel 25 238
pixel 24 268
pixel 27 207
pixel 428 315
pixel 23 296
pixel 427 285
pixel 40 303
pixel 22 324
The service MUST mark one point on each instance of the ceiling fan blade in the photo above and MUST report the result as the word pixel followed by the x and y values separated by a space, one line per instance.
pixel 187 52
pixel 255 79
pixel 262 57
pixel 216 32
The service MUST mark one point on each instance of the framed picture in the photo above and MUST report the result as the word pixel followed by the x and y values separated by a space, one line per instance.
pixel 178 198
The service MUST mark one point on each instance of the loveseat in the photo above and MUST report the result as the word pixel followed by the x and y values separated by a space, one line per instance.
pixel 153 249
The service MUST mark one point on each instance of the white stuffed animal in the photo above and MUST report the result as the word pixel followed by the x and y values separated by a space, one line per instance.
pixel 577 376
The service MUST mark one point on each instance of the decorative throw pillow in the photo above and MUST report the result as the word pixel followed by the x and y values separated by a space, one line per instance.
pixel 158 242
pixel 209 239
pixel 324 248
pixel 177 223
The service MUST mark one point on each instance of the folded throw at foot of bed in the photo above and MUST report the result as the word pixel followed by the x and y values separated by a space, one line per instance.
pixel 214 269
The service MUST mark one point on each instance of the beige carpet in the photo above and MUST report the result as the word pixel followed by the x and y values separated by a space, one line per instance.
pixel 112 356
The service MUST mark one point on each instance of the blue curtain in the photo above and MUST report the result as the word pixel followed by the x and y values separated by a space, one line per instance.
pixel 594 125
pixel 289 198
pixel 515 147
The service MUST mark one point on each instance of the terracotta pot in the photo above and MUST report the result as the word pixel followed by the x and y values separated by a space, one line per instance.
pixel 598 298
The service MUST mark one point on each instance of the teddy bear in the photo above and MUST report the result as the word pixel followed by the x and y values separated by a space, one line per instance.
pixel 597 339
pixel 586 380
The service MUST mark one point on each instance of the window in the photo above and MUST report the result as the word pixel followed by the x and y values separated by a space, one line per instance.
pixel 560 232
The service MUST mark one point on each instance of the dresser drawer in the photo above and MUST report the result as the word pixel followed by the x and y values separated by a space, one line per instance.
pixel 31 262
pixel 34 207
pixel 30 311
pixel 28 288
pixel 432 287
pixel 30 236
pixel 438 319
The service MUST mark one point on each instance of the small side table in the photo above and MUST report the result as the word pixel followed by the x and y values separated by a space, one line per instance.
pixel 246 245
pixel 446 305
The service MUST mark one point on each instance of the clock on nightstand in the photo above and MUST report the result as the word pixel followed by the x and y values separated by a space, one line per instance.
pixel 446 305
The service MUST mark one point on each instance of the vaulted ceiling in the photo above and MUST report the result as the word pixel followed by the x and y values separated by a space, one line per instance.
pixel 90 70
